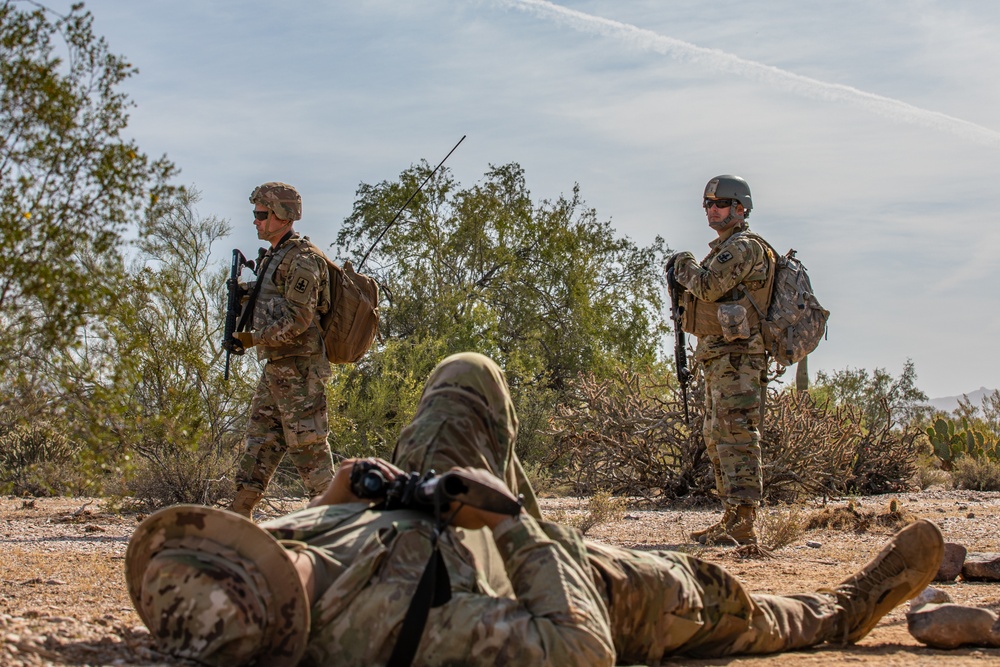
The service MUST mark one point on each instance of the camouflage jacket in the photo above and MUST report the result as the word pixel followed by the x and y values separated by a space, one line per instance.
pixel 733 260
pixel 294 292
pixel 518 598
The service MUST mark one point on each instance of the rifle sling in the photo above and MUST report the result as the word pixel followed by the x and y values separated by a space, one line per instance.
pixel 433 590
pixel 247 315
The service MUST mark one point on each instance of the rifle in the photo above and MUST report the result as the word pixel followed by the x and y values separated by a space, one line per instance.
pixel 234 305
pixel 680 344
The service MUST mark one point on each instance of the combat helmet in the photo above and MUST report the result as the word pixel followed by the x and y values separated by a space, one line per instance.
pixel 213 587
pixel 282 199
pixel 728 186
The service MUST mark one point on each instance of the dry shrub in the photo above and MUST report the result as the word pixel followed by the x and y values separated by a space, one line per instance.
pixel 777 528
pixel 179 476
pixel 817 451
pixel 850 518
pixel 929 473
pixel 977 474
pixel 806 448
pixel 601 508
pixel 885 458
pixel 627 436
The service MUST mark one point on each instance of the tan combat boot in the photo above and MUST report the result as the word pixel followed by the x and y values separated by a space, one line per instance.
pixel 901 570
pixel 740 526
pixel 717 529
pixel 245 501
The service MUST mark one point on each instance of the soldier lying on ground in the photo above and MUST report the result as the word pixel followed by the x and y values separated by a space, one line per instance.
pixel 358 567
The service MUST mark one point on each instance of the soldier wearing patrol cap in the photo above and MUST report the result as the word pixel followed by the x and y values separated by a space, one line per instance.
pixel 722 303
pixel 288 413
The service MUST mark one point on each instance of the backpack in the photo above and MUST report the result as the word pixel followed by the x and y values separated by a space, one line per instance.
pixel 350 325
pixel 795 322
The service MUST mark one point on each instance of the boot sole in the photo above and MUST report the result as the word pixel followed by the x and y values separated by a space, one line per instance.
pixel 923 542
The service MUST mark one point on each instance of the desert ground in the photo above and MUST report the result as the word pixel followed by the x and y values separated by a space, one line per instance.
pixel 63 599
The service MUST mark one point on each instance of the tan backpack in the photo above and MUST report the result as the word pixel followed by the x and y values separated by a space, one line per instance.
pixel 351 323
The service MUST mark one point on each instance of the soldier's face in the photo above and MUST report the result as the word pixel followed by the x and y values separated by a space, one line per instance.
pixel 269 227
pixel 717 214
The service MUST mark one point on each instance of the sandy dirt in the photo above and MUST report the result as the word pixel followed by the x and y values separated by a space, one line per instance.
pixel 63 599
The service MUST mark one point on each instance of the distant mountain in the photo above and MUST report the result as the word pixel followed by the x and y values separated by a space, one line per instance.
pixel 950 403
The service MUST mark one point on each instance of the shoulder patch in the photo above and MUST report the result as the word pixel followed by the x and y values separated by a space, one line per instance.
pixel 724 256
pixel 301 286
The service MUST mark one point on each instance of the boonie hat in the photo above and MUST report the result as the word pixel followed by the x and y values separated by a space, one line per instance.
pixel 212 586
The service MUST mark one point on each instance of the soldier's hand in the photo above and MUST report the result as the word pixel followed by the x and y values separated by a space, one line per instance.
pixel 339 490
pixel 245 338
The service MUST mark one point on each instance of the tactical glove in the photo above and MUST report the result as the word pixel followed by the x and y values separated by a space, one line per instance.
pixel 245 338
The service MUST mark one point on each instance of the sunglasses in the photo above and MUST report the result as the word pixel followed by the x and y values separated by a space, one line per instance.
pixel 261 215
pixel 718 203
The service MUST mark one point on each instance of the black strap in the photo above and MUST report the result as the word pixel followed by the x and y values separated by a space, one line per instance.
pixel 433 590
pixel 247 315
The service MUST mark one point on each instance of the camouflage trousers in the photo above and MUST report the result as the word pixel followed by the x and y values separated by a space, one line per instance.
pixel 660 603
pixel 664 603
pixel 732 411
pixel 288 414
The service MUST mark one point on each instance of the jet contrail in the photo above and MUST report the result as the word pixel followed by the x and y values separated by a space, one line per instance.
pixel 721 61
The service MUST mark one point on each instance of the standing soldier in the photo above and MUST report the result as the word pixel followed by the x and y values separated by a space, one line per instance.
pixel 288 412
pixel 724 297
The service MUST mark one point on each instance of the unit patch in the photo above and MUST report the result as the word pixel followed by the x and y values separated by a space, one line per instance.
pixel 301 283
pixel 725 256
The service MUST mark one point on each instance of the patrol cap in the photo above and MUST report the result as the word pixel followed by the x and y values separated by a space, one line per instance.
pixel 282 199
pixel 728 186
pixel 213 587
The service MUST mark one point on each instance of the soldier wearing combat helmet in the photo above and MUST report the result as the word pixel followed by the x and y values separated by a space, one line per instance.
pixel 724 293
pixel 288 413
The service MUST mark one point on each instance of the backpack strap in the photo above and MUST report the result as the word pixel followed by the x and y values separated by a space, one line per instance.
pixel 768 289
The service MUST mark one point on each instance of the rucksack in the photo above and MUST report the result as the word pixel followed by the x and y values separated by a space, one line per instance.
pixel 795 322
pixel 351 323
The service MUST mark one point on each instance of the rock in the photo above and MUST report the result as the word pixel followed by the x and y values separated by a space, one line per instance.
pixel 929 595
pixel 813 545
pixel 951 564
pixel 982 567
pixel 951 625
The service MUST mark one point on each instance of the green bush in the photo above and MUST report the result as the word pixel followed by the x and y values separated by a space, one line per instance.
pixel 977 474
pixel 36 459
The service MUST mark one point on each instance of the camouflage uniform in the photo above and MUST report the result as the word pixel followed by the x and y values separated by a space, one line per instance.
pixel 734 369
pixel 288 412
pixel 541 608
pixel 660 603
pixel 528 593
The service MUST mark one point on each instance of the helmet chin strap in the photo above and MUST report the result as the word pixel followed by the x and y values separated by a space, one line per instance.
pixel 722 224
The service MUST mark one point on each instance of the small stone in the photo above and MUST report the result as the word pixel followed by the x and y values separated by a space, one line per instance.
pixel 929 595
pixel 952 625
pixel 951 564
pixel 813 544
pixel 982 567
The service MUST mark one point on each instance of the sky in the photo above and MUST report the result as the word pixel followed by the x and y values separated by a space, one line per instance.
pixel 868 131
